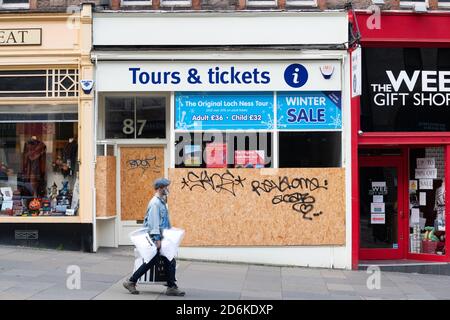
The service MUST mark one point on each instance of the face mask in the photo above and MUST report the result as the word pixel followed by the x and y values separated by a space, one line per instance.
pixel 165 192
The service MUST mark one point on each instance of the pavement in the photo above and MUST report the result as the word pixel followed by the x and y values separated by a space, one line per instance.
pixel 38 274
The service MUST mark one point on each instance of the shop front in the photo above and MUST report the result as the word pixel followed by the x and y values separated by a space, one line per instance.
pixel 401 140
pixel 253 140
pixel 46 130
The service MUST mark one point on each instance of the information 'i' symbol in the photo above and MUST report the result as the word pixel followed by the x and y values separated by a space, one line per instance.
pixel 295 75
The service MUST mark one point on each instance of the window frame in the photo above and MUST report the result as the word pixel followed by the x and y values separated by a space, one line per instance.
pixel 301 3
pixel 275 134
pixel 14 5
pixel 101 121
pixel 261 3
pixel 410 4
pixel 124 3
pixel 443 4
pixel 176 3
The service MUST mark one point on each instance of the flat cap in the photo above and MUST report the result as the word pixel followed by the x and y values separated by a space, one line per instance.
pixel 160 183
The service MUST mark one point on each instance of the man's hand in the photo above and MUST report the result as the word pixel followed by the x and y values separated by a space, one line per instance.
pixel 158 244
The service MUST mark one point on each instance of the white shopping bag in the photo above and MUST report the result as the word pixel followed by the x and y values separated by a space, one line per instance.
pixel 175 235
pixel 144 244
pixel 170 242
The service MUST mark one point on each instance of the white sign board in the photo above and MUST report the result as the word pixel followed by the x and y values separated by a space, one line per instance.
pixel 377 218
pixel 422 199
pixel 426 184
pixel 426 173
pixel 356 72
pixel 292 75
pixel 378 199
pixel 377 208
pixel 426 163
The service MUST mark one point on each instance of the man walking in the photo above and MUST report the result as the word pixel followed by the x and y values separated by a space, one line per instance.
pixel 156 220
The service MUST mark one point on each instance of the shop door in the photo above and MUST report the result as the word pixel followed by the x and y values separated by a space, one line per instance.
pixel 382 211
pixel 139 167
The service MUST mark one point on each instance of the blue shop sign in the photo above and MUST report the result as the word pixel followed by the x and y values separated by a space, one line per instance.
pixel 309 110
pixel 224 111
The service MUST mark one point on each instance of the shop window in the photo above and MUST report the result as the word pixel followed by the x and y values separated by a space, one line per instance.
pixel 223 150
pixel 52 83
pixel 261 3
pixel 405 89
pixel 135 117
pixel 309 149
pixel 15 4
pixel 444 3
pixel 427 201
pixel 176 3
pixel 38 168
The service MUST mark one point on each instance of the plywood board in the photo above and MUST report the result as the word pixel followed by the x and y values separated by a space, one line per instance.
pixel 259 207
pixel 139 167
pixel 105 184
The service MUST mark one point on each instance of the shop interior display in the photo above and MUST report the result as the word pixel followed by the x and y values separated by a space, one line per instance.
pixel 427 202
pixel 31 187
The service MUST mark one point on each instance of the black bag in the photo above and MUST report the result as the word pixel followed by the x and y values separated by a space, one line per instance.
pixel 156 274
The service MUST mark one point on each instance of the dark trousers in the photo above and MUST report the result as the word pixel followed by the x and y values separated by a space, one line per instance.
pixel 170 267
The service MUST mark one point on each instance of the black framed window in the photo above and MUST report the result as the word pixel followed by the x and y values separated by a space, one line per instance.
pixel 309 149
pixel 135 117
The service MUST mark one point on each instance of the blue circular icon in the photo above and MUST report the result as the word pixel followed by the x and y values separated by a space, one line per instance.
pixel 296 75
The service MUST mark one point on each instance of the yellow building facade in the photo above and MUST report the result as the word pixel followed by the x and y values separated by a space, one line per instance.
pixel 47 129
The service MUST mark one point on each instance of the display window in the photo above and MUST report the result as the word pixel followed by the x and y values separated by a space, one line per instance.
pixel 309 149
pixel 223 150
pixel 258 129
pixel 427 200
pixel 135 117
pixel 39 162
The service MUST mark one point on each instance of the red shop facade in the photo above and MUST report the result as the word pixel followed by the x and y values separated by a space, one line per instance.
pixel 401 138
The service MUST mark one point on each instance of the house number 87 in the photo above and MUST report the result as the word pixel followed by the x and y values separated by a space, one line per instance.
pixel 128 126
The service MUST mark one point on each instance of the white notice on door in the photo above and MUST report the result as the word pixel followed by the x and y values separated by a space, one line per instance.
pixel 378 199
pixel 376 218
pixel 377 208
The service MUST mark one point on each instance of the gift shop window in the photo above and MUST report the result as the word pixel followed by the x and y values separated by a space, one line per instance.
pixel 427 200
pixel 39 161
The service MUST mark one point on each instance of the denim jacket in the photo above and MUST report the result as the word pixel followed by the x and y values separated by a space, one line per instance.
pixel 157 218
